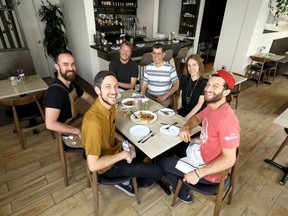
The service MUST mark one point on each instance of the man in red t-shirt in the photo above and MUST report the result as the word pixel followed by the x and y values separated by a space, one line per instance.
pixel 219 138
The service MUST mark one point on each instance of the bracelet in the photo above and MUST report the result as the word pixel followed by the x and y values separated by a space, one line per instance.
pixel 197 174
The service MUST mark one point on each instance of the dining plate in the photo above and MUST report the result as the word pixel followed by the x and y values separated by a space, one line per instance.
pixel 128 102
pixel 172 131
pixel 166 112
pixel 115 47
pixel 139 131
pixel 143 117
pixel 140 45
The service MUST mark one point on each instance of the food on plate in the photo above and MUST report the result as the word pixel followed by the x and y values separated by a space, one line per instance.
pixel 146 116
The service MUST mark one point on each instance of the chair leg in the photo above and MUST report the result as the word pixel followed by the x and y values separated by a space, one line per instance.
pixel 285 142
pixel 63 160
pixel 18 128
pixel 135 186
pixel 178 187
pixel 218 201
pixel 94 184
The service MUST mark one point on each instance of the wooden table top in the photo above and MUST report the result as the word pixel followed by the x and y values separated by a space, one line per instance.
pixel 282 119
pixel 159 143
pixel 238 78
pixel 272 57
pixel 34 83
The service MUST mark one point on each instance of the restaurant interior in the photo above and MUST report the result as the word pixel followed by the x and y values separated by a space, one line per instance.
pixel 31 178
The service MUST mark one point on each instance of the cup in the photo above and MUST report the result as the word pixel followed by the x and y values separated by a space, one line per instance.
pixel 137 104
pixel 145 103
pixel 124 111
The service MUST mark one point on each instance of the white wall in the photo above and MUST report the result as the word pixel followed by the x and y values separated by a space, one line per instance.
pixel 242 34
pixel 34 36
pixel 80 24
pixel 147 12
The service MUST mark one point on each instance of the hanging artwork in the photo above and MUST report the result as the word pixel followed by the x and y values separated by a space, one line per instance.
pixel 277 19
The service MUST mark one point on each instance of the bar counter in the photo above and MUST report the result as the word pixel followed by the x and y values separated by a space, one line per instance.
pixel 105 52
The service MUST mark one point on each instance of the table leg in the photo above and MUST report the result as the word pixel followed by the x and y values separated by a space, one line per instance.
pixel 283 169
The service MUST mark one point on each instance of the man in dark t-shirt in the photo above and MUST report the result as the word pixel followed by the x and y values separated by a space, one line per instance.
pixel 58 106
pixel 125 69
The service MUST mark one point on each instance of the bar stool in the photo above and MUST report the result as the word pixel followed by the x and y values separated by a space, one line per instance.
pixel 180 58
pixel 168 57
pixel 146 59
pixel 284 169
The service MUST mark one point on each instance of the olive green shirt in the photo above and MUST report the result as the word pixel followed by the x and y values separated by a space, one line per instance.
pixel 98 132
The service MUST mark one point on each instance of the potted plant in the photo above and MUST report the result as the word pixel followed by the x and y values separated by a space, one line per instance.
pixel 55 36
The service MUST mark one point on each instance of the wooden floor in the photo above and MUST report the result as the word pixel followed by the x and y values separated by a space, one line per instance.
pixel 31 181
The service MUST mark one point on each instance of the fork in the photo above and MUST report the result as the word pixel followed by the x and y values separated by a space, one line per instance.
pixel 171 125
pixel 148 138
pixel 136 117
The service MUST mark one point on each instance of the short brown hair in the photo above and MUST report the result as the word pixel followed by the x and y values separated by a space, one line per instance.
pixel 127 43
pixel 199 61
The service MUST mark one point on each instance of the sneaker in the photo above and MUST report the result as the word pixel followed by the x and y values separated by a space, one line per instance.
pixel 128 189
pixel 185 198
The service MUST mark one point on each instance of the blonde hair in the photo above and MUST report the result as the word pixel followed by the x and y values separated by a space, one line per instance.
pixel 199 61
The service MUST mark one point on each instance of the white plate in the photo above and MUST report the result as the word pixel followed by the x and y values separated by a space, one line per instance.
pixel 127 100
pixel 139 131
pixel 119 96
pixel 140 45
pixel 115 47
pixel 165 111
pixel 172 131
pixel 175 41
pixel 142 121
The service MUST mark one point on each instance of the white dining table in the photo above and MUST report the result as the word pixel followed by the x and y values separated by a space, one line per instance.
pixel 159 143
pixel 34 83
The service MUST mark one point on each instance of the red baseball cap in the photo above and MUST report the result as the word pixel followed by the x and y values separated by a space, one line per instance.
pixel 228 77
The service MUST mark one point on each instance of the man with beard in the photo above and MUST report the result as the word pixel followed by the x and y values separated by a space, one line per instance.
pixel 61 96
pixel 103 145
pixel 215 151
pixel 125 69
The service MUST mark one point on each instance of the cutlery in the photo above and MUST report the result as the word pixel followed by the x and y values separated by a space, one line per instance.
pixel 174 125
pixel 134 114
pixel 148 138
pixel 145 137
pixel 171 125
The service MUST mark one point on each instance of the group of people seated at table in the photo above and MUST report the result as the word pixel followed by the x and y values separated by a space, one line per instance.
pixel 201 101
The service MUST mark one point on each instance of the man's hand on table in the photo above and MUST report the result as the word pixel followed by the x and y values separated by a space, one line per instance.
pixel 185 134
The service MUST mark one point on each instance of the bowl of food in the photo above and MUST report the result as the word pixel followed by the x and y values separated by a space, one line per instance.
pixel 128 102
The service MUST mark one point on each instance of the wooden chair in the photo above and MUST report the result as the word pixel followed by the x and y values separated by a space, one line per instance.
pixel 236 91
pixel 93 179
pixel 63 150
pixel 26 108
pixel 257 69
pixel 216 193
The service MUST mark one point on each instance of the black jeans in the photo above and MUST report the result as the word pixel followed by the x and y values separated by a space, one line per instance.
pixel 172 174
pixel 142 171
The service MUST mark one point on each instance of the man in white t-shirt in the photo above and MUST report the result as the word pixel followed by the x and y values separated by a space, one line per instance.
pixel 160 78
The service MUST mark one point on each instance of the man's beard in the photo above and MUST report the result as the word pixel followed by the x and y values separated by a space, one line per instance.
pixel 71 77
pixel 215 99
pixel 106 101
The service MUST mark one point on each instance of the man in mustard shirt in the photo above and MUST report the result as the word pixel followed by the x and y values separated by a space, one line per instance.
pixel 103 146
